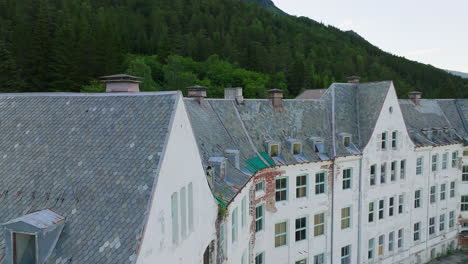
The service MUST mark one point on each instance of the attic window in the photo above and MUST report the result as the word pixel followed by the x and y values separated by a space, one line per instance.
pixel 296 148
pixel 347 141
pixel 318 145
pixel 274 149
pixel 24 248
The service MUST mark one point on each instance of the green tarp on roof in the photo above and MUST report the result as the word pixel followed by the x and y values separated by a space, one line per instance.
pixel 256 163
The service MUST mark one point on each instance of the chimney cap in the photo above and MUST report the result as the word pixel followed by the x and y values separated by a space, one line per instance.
pixel 121 78
pixel 353 79
pixel 197 87
pixel 415 93
pixel 275 90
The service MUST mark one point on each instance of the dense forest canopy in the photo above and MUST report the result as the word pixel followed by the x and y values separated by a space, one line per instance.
pixel 64 45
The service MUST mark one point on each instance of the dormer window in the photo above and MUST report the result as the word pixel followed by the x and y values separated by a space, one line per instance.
pixel 24 248
pixel 295 146
pixel 347 141
pixel 273 148
pixel 318 144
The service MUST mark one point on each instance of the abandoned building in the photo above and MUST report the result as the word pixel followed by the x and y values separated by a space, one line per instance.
pixel 352 175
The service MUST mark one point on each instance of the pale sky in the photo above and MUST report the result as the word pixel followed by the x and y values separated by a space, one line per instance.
pixel 429 31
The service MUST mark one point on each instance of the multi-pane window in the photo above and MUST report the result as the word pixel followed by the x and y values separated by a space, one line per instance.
pixel 393 171
pixel 400 238
pixel 260 186
pixel 416 231
pixel 383 141
pixel 234 219
pixel 281 234
pixel 259 218
pixel 370 251
pixel 443 188
pixel 452 189
pixel 320 183
pixel 346 254
pixel 391 241
pixel 301 228
pixel 373 173
pixel 302 261
pixel 319 259
pixel 281 189
pixel 402 169
pixel 454 159
pixel 451 219
pixel 319 224
pixel 394 139
pixel 175 218
pixel 383 172
pixel 301 186
pixel 401 203
pixel 391 206
pixel 371 212
pixel 345 217
pixel 431 225
pixel 465 173
pixel 347 174
pixel 260 258
pixel 419 165
pixel 433 194
pixel 445 160
pixel 435 159
pixel 442 222
pixel 243 211
pixel 381 209
pixel 417 198
pixel 464 203
pixel 381 245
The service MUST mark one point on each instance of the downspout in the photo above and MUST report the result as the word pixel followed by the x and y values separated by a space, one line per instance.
pixel 333 173
pixel 360 212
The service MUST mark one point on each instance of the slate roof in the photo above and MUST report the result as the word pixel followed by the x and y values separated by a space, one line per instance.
pixel 91 158
pixel 311 94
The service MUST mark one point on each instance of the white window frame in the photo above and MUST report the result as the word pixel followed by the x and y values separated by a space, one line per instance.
pixel 432 224
pixel 402 169
pixel 383 141
pixel 346 220
pixel 433 194
pixel 373 176
pixel 302 186
pixel 465 173
pixel 391 241
pixel 346 254
pixel 320 225
pixel 445 160
pixel 281 234
pixel 419 165
pixel 260 219
pixel 452 189
pixel 260 258
pixel 234 225
pixel 464 203
pixel 417 198
pixel 393 171
pixel 434 163
pixel 319 259
pixel 371 248
pixel 281 189
pixel 451 219
pixel 320 186
pixel 381 246
pixel 381 210
pixel 391 206
pixel 383 173
pixel 271 150
pixel 401 203
pixel 443 191
pixel 394 139
pixel 442 222
pixel 371 214
pixel 301 229
pixel 175 217
pixel 454 159
pixel 260 186
pixel 417 231
pixel 347 178
pixel 400 237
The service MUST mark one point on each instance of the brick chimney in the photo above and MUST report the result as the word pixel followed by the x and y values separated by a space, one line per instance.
pixel 234 94
pixel 276 98
pixel 354 79
pixel 122 83
pixel 197 92
pixel 415 96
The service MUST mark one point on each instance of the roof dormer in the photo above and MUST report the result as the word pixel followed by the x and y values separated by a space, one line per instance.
pixel 295 146
pixel 273 148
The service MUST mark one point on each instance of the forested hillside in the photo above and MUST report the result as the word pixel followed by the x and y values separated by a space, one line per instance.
pixel 63 45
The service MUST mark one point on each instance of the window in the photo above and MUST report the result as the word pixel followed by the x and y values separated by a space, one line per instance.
pixel 381 209
pixel 281 234
pixel 419 165
pixel 259 218
pixel 394 139
pixel 183 212
pixel 296 148
pixel 372 174
pixel 319 259
pixel 260 258
pixel 417 198
pixel 444 160
pixel 370 250
pixel 465 173
pixel 345 217
pixel 347 141
pixel 302 261
pixel 451 219
pixel 402 169
pixel 433 194
pixel 222 238
pixel 175 218
pixel 435 159
pixel 400 238
pixel 383 141
pixel 383 171
pixel 371 212
pixel 260 186
pixel 464 203
pixel 281 189
pixel 234 225
pixel 442 222
pixel 381 245
pixel 454 159
pixel 431 225
pixel 347 174
pixel 274 150
pixel 393 171
pixel 301 186
pixel 24 248
pixel 319 224
pixel 391 239
pixel 465 153
pixel 190 207
pixel 320 183
pixel 443 187
pixel 243 211
pixel 452 189
pixel 416 231
pixel 301 229
pixel 401 203
pixel 346 254
pixel 391 206
pixel 433 253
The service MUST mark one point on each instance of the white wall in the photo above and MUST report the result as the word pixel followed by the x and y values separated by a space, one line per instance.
pixel 180 166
